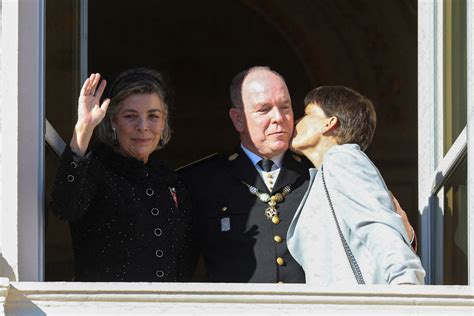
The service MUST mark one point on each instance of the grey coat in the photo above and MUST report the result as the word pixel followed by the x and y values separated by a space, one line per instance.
pixel 372 228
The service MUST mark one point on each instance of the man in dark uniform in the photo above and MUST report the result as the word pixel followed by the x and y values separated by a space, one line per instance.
pixel 244 202
pixel 243 206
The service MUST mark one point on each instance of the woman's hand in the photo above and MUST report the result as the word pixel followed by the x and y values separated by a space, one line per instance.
pixel 89 113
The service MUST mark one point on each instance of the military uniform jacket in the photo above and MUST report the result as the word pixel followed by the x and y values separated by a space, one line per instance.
pixel 238 242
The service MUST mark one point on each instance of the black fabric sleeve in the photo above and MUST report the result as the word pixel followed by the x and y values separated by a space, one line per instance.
pixel 74 186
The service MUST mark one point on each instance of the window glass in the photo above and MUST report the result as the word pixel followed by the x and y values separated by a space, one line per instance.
pixel 451 229
pixel 454 69
pixel 62 84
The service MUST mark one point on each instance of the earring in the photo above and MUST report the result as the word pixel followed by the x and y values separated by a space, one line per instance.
pixel 114 135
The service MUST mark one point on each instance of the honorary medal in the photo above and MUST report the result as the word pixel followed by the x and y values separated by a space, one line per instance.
pixel 272 200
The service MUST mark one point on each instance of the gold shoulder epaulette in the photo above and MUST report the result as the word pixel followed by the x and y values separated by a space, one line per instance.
pixel 297 158
pixel 233 156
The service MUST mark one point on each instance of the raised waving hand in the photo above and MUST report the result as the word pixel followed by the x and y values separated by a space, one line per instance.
pixel 89 112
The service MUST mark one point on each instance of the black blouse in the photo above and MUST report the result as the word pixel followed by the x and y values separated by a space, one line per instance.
pixel 129 221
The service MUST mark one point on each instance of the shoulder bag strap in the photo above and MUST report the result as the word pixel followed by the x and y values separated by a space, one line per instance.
pixel 347 249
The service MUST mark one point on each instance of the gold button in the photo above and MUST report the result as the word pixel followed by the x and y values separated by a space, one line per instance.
pixel 270 181
pixel 280 261
pixel 277 239
pixel 270 188
pixel 275 220
pixel 224 209
pixel 269 176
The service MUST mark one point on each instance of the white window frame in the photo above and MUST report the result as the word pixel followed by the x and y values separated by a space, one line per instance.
pixel 434 167
pixel 22 231
pixel 24 129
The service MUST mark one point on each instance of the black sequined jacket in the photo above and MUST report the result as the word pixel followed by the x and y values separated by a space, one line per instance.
pixel 129 221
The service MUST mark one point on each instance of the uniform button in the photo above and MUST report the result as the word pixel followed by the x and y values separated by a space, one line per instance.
pixel 149 192
pixel 280 261
pixel 269 176
pixel 224 209
pixel 74 164
pixel 275 220
pixel 277 239
pixel 270 188
pixel 158 232
pixel 155 211
pixel 70 178
pixel 159 253
pixel 160 273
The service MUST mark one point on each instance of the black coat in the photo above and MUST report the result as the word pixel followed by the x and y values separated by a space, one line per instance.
pixel 236 238
pixel 129 221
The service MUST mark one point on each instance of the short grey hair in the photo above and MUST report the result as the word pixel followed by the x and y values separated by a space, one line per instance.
pixel 127 83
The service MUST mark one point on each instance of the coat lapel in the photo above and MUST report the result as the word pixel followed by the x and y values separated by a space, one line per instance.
pixel 244 170
pixel 291 228
pixel 291 170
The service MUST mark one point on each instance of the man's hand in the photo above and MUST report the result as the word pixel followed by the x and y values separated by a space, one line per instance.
pixel 406 223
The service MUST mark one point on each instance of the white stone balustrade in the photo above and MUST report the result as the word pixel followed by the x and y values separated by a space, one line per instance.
pixel 59 298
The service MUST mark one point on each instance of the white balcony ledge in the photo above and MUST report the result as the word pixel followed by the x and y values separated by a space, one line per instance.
pixel 58 298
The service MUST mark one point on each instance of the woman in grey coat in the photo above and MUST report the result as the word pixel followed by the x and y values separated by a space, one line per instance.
pixel 337 126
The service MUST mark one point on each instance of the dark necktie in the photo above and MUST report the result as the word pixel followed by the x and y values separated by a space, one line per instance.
pixel 266 164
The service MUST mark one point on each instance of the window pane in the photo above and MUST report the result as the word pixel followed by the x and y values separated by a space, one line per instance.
pixel 455 242
pixel 62 87
pixel 455 70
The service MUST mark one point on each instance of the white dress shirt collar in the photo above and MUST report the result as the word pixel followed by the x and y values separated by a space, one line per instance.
pixel 277 160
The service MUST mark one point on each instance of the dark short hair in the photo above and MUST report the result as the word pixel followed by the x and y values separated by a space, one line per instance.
pixel 235 88
pixel 355 112
pixel 135 81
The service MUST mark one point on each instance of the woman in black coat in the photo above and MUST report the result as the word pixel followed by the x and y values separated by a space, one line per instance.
pixel 129 213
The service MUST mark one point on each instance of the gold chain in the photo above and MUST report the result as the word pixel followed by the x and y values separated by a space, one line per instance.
pixel 272 200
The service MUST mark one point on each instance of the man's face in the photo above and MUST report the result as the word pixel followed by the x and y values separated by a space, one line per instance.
pixel 266 121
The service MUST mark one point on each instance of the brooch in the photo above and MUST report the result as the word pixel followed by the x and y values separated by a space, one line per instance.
pixel 173 195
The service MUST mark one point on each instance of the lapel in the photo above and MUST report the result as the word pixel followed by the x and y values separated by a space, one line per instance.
pixel 244 170
pixel 290 171
pixel 312 172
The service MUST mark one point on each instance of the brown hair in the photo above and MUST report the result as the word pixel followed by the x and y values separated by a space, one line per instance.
pixel 135 81
pixel 355 113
